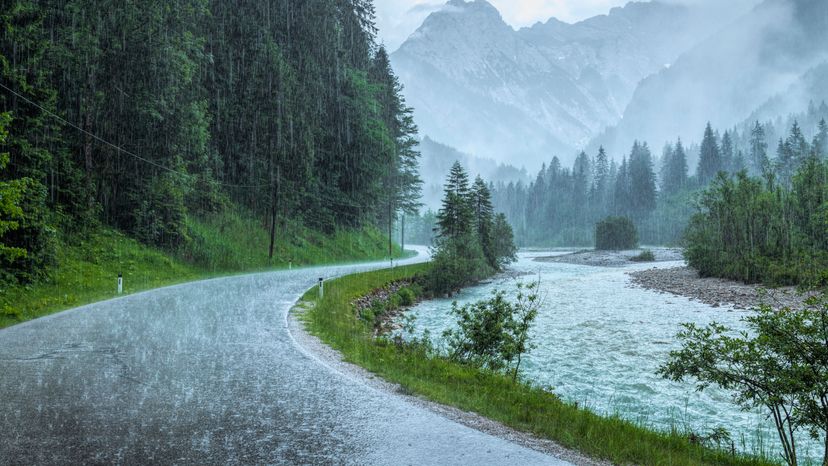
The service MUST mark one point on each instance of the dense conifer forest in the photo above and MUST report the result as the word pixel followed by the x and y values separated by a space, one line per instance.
pixel 660 192
pixel 140 116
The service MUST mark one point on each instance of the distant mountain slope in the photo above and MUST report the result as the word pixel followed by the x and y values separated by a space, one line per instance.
pixel 480 86
pixel 437 160
pixel 774 50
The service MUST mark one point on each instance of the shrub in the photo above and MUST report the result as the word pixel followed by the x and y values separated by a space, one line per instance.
pixel 645 256
pixel 494 333
pixel 615 234
pixel 407 296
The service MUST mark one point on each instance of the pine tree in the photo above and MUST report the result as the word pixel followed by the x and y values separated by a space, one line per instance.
pixel 642 181
pixel 800 150
pixel 503 247
pixel 728 154
pixel 601 180
pixel 710 160
pixel 456 217
pixel 621 197
pixel 758 150
pixel 677 169
pixel 481 201
pixel 821 140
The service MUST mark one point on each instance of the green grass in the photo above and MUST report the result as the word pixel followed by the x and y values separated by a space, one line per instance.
pixel 521 406
pixel 223 244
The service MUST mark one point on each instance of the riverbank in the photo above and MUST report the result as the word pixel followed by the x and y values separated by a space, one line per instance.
pixel 414 370
pixel 686 282
pixel 613 258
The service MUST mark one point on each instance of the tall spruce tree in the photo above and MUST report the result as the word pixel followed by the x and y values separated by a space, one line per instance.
pixel 710 159
pixel 759 162
pixel 481 201
pixel 455 218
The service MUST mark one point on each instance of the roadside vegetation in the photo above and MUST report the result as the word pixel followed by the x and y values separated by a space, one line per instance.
pixel 86 270
pixel 192 152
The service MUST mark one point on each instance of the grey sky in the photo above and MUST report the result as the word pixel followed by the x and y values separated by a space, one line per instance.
pixel 397 19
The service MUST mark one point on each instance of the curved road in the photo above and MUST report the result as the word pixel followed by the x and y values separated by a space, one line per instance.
pixel 208 373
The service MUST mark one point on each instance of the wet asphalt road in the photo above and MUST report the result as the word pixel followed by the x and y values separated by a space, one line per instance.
pixel 208 373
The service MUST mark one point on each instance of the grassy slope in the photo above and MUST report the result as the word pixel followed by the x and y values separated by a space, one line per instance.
pixel 521 406
pixel 86 270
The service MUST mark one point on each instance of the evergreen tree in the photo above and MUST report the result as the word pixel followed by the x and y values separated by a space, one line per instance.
pixel 481 201
pixel 455 218
pixel 642 182
pixel 677 169
pixel 622 190
pixel 821 140
pixel 710 160
pixel 503 244
pixel 758 150
pixel 601 179
pixel 728 154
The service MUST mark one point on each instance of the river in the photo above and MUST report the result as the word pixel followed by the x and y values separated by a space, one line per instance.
pixel 600 342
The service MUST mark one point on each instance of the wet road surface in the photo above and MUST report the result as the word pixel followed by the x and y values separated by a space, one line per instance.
pixel 208 373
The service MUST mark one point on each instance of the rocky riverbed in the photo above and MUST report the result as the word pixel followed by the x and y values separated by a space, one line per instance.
pixel 613 258
pixel 685 281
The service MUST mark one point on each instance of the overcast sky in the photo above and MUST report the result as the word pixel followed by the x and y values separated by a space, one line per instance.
pixel 397 19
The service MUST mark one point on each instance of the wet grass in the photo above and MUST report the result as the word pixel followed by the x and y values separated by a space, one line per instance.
pixel 521 406
pixel 86 270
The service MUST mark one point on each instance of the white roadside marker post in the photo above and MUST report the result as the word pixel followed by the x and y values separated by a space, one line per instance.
pixel 321 288
pixel 120 283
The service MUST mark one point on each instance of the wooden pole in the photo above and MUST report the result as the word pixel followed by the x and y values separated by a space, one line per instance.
pixel 274 211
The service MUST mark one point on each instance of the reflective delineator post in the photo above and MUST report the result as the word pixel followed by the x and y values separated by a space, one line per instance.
pixel 321 288
pixel 290 264
pixel 120 283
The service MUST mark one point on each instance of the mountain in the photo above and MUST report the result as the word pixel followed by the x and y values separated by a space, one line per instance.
pixel 773 55
pixel 487 89
pixel 437 160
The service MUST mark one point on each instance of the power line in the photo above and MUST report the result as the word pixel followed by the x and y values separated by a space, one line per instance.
pixel 118 148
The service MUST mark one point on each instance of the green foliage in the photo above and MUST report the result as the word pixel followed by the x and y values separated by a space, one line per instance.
pixel 26 240
pixel 615 234
pixel 286 110
pixel 494 333
pixel 645 256
pixel 221 243
pixel 780 364
pixel 471 243
pixel 407 296
pixel 757 231
pixel 522 406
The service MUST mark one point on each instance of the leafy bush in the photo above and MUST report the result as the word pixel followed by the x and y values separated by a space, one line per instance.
pixel 494 333
pixel 780 364
pixel 645 256
pixel 615 234
pixel 407 297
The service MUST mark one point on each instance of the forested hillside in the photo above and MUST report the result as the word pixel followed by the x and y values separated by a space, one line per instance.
pixel 145 116
pixel 659 193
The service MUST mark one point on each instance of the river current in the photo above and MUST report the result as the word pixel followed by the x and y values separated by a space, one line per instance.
pixel 600 341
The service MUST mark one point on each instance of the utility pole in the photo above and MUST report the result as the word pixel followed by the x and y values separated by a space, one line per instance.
pixel 390 232
pixel 402 233
pixel 275 210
